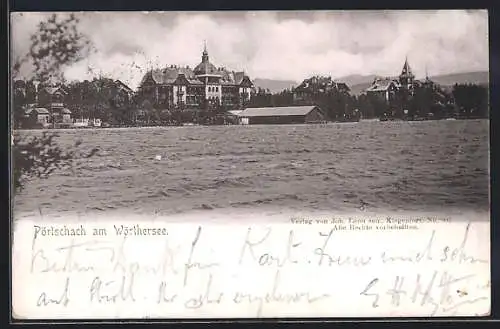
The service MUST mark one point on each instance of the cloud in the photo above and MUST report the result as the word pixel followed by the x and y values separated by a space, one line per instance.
pixel 277 45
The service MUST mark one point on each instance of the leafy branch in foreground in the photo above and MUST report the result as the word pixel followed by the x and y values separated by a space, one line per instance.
pixel 56 44
pixel 38 157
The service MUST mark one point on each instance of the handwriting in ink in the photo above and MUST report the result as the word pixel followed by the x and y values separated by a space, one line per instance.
pixel 250 244
pixel 275 296
pixel 328 259
pixel 43 300
pixel 265 257
pixel 421 292
pixel 445 284
pixel 163 297
pixel 107 291
pixel 70 264
pixel 397 291
pixel 425 254
pixel 121 263
pixel 459 254
pixel 190 264
pixel 375 296
pixel 269 259
pixel 427 297
pixel 465 302
pixel 204 298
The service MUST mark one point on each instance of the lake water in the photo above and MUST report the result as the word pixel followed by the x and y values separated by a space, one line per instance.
pixel 366 166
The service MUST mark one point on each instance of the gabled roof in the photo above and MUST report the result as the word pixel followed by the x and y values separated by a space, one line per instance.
pixel 238 77
pixel 320 83
pixel 169 74
pixel 123 85
pixel 234 78
pixel 277 111
pixel 382 84
pixel 181 79
pixel 246 82
pixel 343 85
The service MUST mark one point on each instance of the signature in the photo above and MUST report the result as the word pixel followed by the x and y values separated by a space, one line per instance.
pixel 441 292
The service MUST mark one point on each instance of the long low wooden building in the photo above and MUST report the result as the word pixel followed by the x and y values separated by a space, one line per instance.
pixel 282 115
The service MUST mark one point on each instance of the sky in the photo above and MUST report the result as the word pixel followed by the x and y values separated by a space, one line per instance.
pixel 291 45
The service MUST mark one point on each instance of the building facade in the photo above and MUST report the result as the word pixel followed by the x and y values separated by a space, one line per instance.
pixel 384 89
pixel 52 98
pixel 36 117
pixel 189 88
pixel 309 90
pixel 387 88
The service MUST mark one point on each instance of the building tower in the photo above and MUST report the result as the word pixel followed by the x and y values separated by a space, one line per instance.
pixel 210 76
pixel 406 77
pixel 204 55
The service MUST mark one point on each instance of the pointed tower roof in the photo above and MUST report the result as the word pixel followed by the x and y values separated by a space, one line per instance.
pixel 406 72
pixel 205 67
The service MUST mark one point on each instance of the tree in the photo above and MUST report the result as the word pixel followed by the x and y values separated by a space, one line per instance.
pixel 471 100
pixel 56 44
pixel 365 106
pixel 284 98
pixel 38 157
pixel 262 98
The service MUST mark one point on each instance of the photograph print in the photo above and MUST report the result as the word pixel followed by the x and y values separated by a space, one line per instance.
pixel 198 115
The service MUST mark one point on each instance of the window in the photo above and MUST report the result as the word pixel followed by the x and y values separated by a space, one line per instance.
pixel 209 89
pixel 217 89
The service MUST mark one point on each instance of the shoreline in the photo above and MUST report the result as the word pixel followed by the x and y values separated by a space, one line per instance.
pixel 238 125
pixel 257 216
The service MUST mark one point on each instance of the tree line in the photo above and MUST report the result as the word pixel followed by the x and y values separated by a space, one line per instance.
pixel 108 100
pixel 428 101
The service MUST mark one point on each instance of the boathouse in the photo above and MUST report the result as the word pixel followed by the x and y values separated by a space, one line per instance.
pixel 282 115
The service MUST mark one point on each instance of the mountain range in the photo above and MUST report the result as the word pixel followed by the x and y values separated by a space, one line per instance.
pixel 275 86
pixel 358 83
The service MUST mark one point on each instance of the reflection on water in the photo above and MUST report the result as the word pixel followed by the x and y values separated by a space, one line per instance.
pixel 368 165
